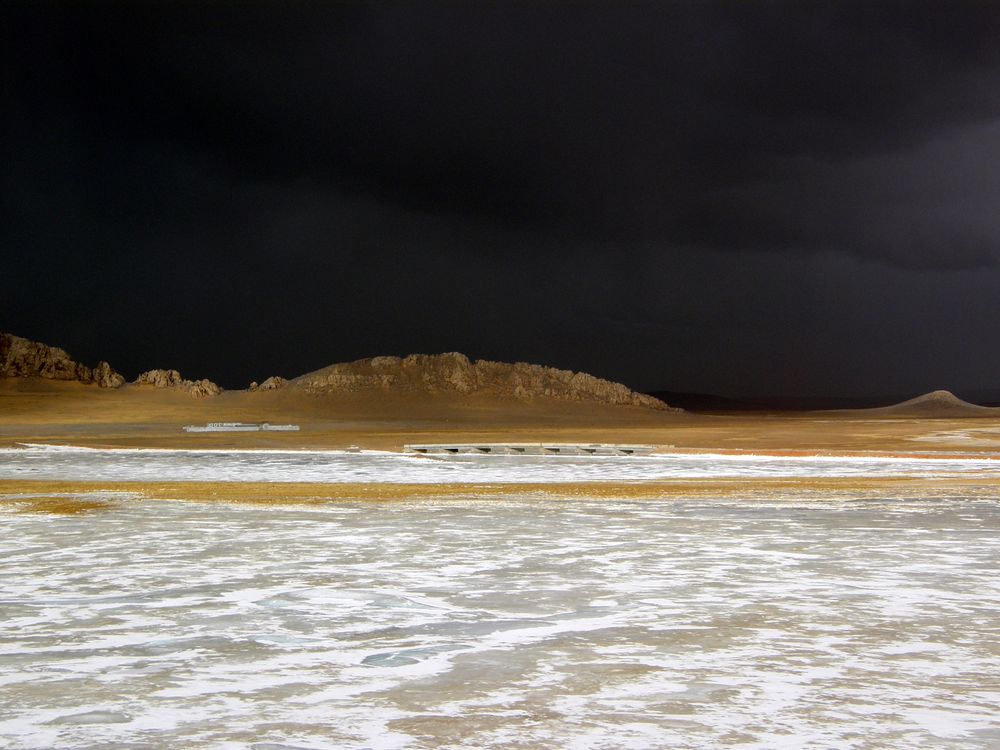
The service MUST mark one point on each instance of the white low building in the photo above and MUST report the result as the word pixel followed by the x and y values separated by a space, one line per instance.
pixel 241 427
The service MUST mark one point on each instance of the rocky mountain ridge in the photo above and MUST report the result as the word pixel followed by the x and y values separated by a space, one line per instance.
pixel 23 358
pixel 415 374
pixel 455 373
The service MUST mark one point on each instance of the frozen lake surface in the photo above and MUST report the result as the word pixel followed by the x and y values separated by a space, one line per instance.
pixel 501 624
pixel 68 463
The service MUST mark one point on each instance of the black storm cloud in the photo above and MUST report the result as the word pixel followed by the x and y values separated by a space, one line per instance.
pixel 746 198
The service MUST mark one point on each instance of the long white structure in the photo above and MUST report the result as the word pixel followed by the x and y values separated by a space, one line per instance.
pixel 241 427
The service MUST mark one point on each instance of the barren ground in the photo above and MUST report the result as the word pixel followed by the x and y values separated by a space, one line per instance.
pixel 73 414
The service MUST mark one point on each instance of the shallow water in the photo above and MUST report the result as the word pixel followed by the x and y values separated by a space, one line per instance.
pixel 524 624
pixel 68 463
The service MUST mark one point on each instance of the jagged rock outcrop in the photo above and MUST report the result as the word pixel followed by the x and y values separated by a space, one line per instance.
pixel 160 378
pixel 105 377
pixel 273 383
pixel 173 379
pixel 22 358
pixel 201 388
pixel 454 372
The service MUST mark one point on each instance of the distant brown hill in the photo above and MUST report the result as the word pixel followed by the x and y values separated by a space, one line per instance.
pixel 415 375
pixel 455 373
pixel 934 404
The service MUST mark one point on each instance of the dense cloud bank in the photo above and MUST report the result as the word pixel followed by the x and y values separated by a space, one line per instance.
pixel 261 186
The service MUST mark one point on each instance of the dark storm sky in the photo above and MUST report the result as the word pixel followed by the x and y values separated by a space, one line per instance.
pixel 740 198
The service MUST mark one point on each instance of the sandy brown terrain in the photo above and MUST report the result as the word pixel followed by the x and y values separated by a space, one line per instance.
pixel 35 410
pixel 69 413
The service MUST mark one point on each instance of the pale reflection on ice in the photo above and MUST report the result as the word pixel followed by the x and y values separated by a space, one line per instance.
pixel 68 463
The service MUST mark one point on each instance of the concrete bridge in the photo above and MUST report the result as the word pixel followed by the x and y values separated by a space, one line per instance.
pixel 530 449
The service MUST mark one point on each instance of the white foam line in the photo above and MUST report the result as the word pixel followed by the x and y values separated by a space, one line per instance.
pixel 47 447
pixel 388 467
pixel 859 458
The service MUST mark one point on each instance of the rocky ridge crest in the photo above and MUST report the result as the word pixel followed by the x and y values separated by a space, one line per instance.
pixel 456 373
pixel 22 358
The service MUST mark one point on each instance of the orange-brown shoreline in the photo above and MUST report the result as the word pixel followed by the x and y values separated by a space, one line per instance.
pixel 77 496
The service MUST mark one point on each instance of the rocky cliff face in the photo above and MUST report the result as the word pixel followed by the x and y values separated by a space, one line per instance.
pixel 21 358
pixel 453 372
pixel 173 379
